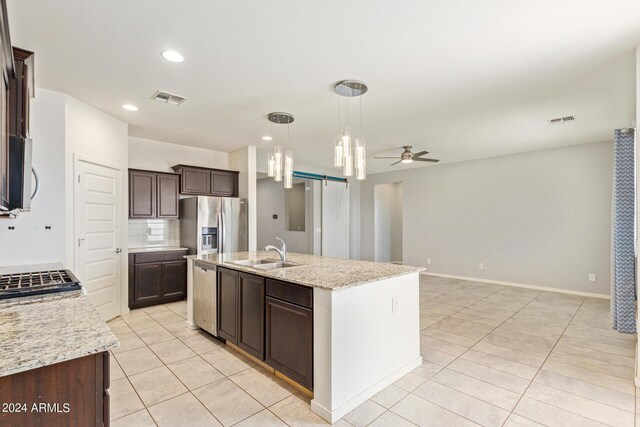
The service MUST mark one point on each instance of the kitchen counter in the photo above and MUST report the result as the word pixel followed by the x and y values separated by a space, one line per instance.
pixel 315 271
pixel 156 249
pixel 48 329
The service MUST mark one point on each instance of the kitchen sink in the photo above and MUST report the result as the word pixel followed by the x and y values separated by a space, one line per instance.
pixel 265 264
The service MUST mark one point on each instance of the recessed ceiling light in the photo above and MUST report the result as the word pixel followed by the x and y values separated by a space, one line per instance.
pixel 172 55
pixel 266 138
pixel 130 107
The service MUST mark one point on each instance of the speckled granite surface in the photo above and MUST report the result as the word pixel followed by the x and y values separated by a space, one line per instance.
pixel 158 249
pixel 315 271
pixel 48 329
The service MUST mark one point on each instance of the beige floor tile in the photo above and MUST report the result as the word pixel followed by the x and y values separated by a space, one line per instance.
pixel 490 375
pixel 515 345
pixel 138 360
pixel 183 410
pixel 142 322
pixel 227 362
pixel 195 372
pixel 262 419
pixel 137 419
pixel 593 365
pixel 579 405
pixel 171 351
pixel 157 385
pixel 180 329
pixel 497 396
pixel 410 382
pixel 166 317
pixel 119 326
pixel 202 343
pixel 123 400
pixel 227 402
pixel 435 356
pixel 427 414
pixel 389 396
pixel 518 421
pixel 389 419
pixel 509 354
pixel 590 391
pixel 592 377
pixel 500 364
pixel 364 414
pixel 154 309
pixel 115 371
pixel 154 334
pixel 297 413
pixel 263 386
pixel 551 416
pixel 128 341
pixel 443 346
pixel 595 354
pixel 623 348
pixel 462 404
pixel 427 369
pixel 449 337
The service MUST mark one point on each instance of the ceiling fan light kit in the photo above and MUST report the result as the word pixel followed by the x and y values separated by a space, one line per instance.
pixel 351 161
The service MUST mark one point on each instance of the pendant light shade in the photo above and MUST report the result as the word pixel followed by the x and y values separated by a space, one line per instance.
pixel 343 157
pixel 277 158
pixel 271 166
pixel 288 169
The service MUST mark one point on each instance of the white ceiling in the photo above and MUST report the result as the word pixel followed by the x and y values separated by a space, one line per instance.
pixel 462 79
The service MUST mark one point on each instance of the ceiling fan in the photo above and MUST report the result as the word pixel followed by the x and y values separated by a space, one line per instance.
pixel 408 157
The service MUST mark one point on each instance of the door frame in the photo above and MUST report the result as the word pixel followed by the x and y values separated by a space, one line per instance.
pixel 124 255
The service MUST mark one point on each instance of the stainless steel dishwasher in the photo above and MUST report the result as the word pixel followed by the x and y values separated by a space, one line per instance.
pixel 205 296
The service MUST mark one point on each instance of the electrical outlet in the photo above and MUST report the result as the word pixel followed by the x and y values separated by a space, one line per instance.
pixel 592 277
pixel 480 266
pixel 394 304
pixel 428 260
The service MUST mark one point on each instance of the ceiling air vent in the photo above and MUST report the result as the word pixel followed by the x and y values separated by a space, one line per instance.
pixel 168 98
pixel 561 120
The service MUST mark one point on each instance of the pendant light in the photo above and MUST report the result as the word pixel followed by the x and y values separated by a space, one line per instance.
pixel 279 162
pixel 343 156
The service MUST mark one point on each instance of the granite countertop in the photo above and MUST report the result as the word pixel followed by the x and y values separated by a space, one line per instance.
pixel 156 249
pixel 49 329
pixel 315 271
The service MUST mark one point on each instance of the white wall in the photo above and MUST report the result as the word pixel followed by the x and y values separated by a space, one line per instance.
pixel 30 242
pixel 540 218
pixel 160 156
pixel 388 222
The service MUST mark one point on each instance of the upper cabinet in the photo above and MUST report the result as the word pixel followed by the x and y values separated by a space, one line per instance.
pixel 197 181
pixel 153 195
pixel 21 90
pixel 7 73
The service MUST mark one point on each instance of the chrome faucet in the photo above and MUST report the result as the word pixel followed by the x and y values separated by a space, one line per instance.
pixel 282 251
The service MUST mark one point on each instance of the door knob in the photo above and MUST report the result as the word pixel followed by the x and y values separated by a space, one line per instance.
pixel 118 250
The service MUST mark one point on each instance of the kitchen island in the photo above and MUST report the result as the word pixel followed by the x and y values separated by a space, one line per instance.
pixel 54 359
pixel 362 320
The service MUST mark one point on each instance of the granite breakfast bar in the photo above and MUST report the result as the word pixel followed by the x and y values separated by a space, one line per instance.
pixel 365 321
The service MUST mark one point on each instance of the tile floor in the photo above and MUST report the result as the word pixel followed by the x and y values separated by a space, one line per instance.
pixel 493 356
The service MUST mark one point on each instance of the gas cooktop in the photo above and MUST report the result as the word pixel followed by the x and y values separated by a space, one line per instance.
pixel 37 283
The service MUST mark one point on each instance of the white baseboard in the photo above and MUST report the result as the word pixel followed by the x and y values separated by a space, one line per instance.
pixel 333 416
pixel 519 285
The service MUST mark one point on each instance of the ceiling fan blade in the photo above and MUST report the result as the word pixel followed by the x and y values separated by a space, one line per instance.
pixel 395 163
pixel 420 159
pixel 422 153
pixel 394 157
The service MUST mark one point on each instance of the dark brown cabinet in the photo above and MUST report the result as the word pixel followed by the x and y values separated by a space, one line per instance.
pixel 21 90
pixel 157 278
pixel 167 197
pixel 251 290
pixel 228 304
pixel 289 331
pixel 153 195
pixel 81 384
pixel 199 181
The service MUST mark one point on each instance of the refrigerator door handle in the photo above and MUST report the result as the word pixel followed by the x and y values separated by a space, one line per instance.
pixel 220 230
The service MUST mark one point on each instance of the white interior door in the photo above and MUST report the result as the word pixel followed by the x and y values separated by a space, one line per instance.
pixel 97 204
pixel 335 220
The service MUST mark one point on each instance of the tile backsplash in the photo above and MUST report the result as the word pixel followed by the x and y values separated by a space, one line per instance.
pixel 147 233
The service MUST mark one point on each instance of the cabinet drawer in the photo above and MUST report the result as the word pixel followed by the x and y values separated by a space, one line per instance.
pixel 289 292
pixel 159 256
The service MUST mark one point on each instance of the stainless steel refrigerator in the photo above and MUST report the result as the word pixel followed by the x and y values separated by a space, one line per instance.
pixel 210 225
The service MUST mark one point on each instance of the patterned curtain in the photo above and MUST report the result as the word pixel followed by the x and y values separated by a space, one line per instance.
pixel 623 287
